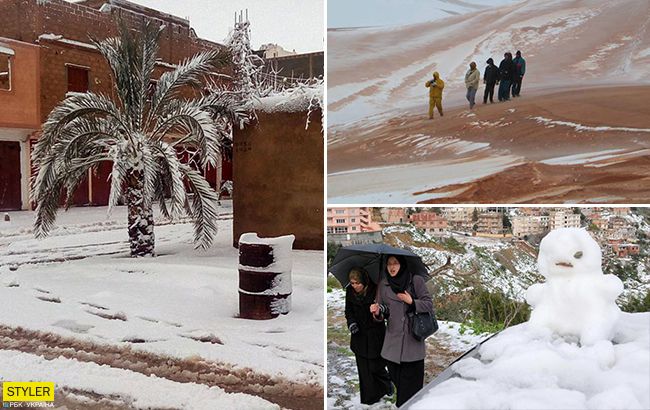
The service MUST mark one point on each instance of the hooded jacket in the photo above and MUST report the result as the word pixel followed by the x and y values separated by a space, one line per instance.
pixel 472 78
pixel 520 66
pixel 491 74
pixel 507 70
pixel 435 86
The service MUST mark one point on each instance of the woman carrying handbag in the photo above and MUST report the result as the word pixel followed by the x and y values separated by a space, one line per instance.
pixel 400 295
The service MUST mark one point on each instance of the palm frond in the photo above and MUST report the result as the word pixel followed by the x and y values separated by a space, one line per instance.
pixel 203 209
pixel 76 105
pixel 197 126
pixel 191 72
pixel 171 178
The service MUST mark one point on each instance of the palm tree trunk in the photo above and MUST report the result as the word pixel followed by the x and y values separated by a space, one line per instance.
pixel 141 236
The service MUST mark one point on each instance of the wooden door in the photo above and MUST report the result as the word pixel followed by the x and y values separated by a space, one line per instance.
pixel 10 195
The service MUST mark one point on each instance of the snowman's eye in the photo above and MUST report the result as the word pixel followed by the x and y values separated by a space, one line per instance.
pixel 578 255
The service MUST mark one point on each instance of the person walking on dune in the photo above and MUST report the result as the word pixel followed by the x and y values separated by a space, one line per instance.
pixel 506 75
pixel 472 78
pixel 490 78
pixel 435 86
pixel 520 70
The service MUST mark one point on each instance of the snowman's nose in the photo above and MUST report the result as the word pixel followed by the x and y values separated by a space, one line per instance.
pixel 578 255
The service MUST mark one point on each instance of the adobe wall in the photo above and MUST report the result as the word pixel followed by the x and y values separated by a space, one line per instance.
pixel 278 178
pixel 26 20
pixel 20 105
pixel 309 65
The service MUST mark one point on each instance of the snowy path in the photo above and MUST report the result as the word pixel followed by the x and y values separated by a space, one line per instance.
pixel 78 292
pixel 343 381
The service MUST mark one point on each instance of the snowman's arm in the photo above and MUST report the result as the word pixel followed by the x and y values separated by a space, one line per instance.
pixel 535 293
pixel 610 286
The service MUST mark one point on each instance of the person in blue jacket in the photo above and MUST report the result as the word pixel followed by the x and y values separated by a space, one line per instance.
pixel 520 70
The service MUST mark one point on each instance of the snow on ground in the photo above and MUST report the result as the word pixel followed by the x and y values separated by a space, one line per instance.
pixel 341 13
pixel 521 369
pixel 396 184
pixel 577 351
pixel 342 378
pixel 580 127
pixel 164 305
pixel 138 390
pixel 378 72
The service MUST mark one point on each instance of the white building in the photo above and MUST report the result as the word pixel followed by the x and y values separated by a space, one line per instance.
pixel 523 225
pixel 564 219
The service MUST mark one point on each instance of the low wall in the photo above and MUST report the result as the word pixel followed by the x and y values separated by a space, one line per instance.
pixel 278 178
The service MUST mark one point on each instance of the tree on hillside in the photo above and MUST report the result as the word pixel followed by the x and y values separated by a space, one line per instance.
pixel 507 225
pixel 139 132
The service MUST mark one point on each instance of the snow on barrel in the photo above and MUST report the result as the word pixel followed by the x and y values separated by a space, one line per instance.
pixel 264 276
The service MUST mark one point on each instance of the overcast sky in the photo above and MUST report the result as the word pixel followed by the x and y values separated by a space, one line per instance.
pixel 293 24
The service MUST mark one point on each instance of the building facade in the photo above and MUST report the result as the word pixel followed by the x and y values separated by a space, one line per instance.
pixel 490 223
pixel 46 52
pixel 459 217
pixel 395 215
pixel 430 221
pixel 564 219
pixel 525 225
pixel 350 220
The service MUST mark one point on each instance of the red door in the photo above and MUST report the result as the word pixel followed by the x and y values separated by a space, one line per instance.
pixel 78 82
pixel 102 183
pixel 10 195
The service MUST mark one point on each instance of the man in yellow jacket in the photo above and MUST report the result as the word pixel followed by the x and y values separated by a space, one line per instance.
pixel 435 93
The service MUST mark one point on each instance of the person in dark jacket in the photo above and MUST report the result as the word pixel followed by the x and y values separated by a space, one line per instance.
pixel 490 78
pixel 399 295
pixel 506 76
pixel 520 70
pixel 367 337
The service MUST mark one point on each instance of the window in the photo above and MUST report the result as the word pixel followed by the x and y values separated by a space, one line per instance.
pixel 354 228
pixel 6 54
pixel 330 229
pixel 353 220
pixel 340 211
pixel 340 229
pixel 340 221
pixel 77 79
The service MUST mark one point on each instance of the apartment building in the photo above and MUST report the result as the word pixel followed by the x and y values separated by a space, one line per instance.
pixel 525 225
pixel 564 218
pixel 490 223
pixel 350 220
pixel 431 222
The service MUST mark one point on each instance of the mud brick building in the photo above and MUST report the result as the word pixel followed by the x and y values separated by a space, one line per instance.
pixel 298 66
pixel 430 222
pixel 45 52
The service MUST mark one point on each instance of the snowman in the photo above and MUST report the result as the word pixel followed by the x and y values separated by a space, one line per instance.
pixel 576 299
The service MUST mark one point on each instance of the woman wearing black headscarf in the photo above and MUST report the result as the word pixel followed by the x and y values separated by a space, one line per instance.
pixel 367 337
pixel 400 294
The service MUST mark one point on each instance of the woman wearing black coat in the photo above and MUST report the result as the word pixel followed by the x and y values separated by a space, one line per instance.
pixel 367 337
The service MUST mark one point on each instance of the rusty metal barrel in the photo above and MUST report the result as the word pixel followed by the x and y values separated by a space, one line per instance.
pixel 264 276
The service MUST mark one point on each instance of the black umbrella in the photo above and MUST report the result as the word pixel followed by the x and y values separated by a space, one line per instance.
pixel 372 257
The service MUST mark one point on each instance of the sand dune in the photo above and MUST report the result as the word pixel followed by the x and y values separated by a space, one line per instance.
pixel 584 102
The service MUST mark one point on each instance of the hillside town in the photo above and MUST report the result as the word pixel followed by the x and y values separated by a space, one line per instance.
pixel 616 229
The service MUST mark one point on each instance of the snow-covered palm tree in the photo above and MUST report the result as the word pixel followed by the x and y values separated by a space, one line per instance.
pixel 139 132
